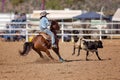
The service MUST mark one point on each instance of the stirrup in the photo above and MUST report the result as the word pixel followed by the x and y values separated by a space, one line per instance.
pixel 54 46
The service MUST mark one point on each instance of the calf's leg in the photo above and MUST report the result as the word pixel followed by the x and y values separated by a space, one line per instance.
pixel 78 51
pixel 73 50
pixel 87 55
pixel 98 55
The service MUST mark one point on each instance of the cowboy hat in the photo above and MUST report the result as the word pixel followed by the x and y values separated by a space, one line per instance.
pixel 43 13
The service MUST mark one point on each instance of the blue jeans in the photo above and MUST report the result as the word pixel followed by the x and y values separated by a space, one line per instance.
pixel 51 34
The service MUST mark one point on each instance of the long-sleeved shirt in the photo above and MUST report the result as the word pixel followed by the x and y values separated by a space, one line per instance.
pixel 44 23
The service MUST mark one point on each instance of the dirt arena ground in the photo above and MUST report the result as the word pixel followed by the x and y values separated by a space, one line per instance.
pixel 32 67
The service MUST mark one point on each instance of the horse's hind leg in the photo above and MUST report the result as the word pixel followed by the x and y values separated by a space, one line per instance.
pixel 38 51
pixel 48 53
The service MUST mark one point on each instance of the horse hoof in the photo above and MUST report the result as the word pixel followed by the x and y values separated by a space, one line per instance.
pixel 73 53
pixel 87 59
pixel 61 60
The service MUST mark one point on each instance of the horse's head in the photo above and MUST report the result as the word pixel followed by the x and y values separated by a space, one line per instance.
pixel 54 25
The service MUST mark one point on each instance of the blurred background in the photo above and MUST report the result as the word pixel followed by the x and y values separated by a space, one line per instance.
pixel 28 6
pixel 86 17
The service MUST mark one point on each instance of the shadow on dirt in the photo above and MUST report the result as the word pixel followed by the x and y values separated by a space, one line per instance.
pixel 88 60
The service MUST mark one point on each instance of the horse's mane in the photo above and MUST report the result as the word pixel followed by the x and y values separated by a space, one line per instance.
pixel 54 25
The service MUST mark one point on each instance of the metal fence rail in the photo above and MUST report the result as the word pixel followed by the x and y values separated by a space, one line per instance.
pixel 64 27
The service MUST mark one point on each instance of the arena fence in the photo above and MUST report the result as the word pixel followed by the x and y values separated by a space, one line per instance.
pixel 110 30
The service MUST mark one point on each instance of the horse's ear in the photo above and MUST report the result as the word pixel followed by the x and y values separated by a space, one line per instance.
pixel 54 25
pixel 54 22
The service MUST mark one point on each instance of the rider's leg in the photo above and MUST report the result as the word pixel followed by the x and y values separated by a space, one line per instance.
pixel 52 35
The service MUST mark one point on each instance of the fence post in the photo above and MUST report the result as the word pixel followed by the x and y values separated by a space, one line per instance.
pixel 26 32
pixel 100 33
pixel 62 31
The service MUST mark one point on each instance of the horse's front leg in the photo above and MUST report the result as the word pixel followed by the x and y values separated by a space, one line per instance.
pixel 56 50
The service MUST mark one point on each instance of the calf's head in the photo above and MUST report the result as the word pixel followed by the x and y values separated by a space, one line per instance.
pixel 99 44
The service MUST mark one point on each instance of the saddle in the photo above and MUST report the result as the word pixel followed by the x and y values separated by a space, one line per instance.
pixel 45 35
pixel 48 39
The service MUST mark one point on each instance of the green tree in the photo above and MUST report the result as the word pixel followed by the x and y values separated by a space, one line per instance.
pixel 16 2
pixel 53 4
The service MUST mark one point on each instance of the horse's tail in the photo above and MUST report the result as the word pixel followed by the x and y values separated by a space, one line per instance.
pixel 26 48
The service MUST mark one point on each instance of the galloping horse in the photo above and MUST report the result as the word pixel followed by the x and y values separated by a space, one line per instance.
pixel 40 43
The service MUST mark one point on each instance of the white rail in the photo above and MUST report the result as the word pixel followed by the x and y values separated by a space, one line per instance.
pixel 27 30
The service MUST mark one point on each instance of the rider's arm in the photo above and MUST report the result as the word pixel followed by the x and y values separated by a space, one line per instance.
pixel 44 23
pixel 47 22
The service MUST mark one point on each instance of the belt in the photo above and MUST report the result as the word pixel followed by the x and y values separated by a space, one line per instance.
pixel 45 28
